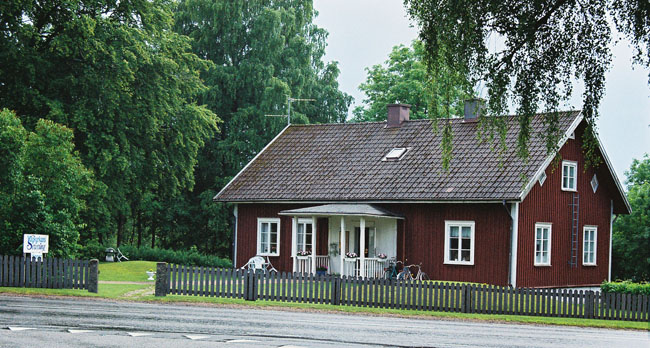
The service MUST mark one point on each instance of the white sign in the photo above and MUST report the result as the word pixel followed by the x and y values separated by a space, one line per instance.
pixel 35 243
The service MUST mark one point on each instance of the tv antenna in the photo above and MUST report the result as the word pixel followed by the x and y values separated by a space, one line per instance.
pixel 289 101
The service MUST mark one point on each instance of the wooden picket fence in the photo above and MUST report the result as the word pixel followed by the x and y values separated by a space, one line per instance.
pixel 52 273
pixel 394 294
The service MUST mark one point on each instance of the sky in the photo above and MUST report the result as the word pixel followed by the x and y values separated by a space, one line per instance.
pixel 363 32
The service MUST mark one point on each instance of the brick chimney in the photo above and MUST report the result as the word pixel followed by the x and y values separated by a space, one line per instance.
pixel 474 109
pixel 397 113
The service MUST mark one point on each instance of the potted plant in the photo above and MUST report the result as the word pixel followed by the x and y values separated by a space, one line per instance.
pixel 321 270
pixel 382 256
pixel 303 254
pixel 150 273
pixel 351 255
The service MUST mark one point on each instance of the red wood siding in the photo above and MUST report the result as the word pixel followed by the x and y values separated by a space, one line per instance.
pixel 420 238
pixel 549 203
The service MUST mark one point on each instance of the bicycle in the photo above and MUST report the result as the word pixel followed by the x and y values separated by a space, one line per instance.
pixel 407 275
pixel 420 275
pixel 391 272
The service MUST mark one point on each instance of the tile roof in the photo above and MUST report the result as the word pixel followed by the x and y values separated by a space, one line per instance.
pixel 343 162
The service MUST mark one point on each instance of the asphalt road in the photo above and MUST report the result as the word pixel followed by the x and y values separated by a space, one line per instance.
pixel 37 322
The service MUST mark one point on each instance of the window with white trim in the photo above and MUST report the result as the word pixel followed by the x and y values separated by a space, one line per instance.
pixel 569 175
pixel 459 242
pixel 589 238
pixel 542 178
pixel 542 244
pixel 268 236
pixel 304 235
pixel 594 183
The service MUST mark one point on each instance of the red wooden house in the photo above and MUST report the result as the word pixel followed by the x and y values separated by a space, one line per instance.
pixel 379 188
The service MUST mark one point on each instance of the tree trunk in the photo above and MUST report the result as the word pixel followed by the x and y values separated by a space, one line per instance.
pixel 139 217
pixel 120 228
pixel 153 237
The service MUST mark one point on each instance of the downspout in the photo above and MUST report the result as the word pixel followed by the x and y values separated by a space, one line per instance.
pixel 514 231
pixel 234 251
pixel 611 225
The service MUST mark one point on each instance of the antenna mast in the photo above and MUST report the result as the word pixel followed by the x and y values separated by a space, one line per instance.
pixel 289 101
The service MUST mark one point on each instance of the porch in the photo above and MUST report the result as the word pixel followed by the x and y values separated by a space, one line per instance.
pixel 349 251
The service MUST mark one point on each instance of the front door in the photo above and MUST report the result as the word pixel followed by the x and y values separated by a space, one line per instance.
pixel 370 241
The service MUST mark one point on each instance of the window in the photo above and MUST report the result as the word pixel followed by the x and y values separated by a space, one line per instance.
pixel 569 174
pixel 459 242
pixel 594 183
pixel 542 178
pixel 572 135
pixel 395 154
pixel 304 234
pixel 589 246
pixel 542 244
pixel 268 237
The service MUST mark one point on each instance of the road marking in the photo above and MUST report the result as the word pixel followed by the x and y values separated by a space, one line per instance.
pixel 16 328
pixel 292 346
pixel 242 341
pixel 73 331
pixel 138 334
pixel 196 337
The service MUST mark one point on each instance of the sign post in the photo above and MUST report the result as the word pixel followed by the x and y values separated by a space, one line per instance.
pixel 36 244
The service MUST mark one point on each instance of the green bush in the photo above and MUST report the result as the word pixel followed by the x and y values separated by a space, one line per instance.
pixel 92 250
pixel 181 257
pixel 626 287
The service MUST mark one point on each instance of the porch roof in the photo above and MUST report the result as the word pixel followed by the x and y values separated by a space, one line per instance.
pixel 342 210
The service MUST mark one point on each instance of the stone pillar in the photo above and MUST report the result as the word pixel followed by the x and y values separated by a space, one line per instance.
pixel 93 275
pixel 161 279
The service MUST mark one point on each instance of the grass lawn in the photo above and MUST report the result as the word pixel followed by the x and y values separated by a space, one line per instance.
pixel 131 271
pixel 112 291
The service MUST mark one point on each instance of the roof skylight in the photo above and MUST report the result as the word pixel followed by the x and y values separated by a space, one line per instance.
pixel 395 154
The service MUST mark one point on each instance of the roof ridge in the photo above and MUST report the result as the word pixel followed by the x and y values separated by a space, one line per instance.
pixel 423 119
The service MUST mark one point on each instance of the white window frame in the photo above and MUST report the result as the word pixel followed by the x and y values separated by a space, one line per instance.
pixel 584 240
pixel 550 244
pixel 572 135
pixel 261 221
pixel 460 224
pixel 566 164
pixel 304 221
pixel 594 183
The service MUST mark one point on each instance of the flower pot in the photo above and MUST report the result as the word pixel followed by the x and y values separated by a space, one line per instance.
pixel 321 273
pixel 150 274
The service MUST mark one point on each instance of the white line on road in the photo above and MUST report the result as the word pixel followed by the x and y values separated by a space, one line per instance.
pixel 292 347
pixel 138 334
pixel 242 341
pixel 16 328
pixel 73 331
pixel 196 337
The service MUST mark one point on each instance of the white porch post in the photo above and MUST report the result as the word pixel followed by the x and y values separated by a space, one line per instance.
pixel 343 236
pixel 294 239
pixel 314 238
pixel 362 256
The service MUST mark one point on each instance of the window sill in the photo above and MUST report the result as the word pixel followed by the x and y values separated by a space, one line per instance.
pixel 590 265
pixel 270 255
pixel 455 263
pixel 542 265
pixel 569 190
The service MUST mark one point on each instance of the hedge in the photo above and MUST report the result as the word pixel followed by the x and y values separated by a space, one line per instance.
pixel 190 257
pixel 626 287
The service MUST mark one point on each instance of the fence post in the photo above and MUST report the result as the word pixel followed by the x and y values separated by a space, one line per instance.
pixel 93 275
pixel 336 290
pixel 589 304
pixel 249 285
pixel 465 304
pixel 161 279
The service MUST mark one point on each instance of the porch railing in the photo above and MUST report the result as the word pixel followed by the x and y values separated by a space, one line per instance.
pixel 374 267
pixel 303 263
